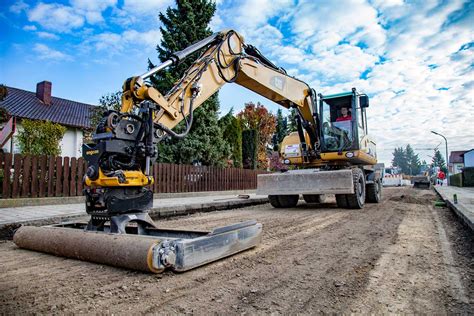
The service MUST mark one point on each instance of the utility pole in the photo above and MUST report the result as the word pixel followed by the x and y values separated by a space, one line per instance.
pixel 447 158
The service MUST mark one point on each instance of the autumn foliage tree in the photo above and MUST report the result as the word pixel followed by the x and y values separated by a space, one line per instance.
pixel 256 117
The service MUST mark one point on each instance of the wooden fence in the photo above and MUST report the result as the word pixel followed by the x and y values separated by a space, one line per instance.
pixel 48 176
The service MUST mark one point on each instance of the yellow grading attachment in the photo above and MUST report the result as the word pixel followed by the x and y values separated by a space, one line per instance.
pixel 154 252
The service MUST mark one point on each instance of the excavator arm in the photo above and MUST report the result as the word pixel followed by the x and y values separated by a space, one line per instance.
pixel 226 59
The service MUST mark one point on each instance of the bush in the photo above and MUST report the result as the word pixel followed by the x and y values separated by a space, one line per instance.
pixel 40 137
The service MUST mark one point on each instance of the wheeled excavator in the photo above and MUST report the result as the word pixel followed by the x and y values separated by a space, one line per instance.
pixel 331 158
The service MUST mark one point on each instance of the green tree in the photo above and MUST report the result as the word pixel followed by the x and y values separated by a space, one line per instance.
pixel 4 115
pixel 413 161
pixel 109 101
pixel 438 161
pixel 281 130
pixel 249 148
pixel 256 117
pixel 40 137
pixel 400 159
pixel 3 92
pixel 232 133
pixel 292 121
pixel 184 25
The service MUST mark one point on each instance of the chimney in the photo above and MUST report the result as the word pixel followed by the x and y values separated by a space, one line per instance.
pixel 43 91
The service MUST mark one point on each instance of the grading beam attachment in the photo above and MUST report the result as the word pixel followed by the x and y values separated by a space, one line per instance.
pixel 154 252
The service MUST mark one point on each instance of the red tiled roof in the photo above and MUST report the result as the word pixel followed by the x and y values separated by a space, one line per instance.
pixel 25 104
pixel 455 156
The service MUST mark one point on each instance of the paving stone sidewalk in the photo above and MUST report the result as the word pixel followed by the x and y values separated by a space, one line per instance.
pixel 162 207
pixel 464 207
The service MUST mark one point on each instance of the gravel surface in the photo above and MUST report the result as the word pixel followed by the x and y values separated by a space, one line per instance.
pixel 400 256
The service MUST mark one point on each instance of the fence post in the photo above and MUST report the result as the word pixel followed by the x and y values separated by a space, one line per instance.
pixel 66 176
pixel 25 179
pixel 59 176
pixel 72 181
pixel 7 165
pixel 43 185
pixel 160 178
pixel 34 176
pixel 17 162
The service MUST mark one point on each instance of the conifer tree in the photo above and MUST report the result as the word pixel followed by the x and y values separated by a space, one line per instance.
pixel 280 130
pixel 413 161
pixel 400 159
pixel 184 25
pixel 438 161
pixel 292 121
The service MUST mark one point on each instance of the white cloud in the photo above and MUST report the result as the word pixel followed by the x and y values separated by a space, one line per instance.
pixel 328 23
pixel 47 35
pixel 18 7
pixel 62 18
pixel 92 9
pixel 148 7
pixel 115 43
pixel 46 53
pixel 29 28
pixel 55 17
pixel 93 5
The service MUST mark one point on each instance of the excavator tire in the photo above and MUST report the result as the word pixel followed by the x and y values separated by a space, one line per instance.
pixel 274 201
pixel 314 198
pixel 287 201
pixel 373 192
pixel 357 199
pixel 341 200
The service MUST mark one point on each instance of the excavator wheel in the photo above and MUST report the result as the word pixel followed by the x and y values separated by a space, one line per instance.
pixel 274 201
pixel 341 200
pixel 283 201
pixel 314 198
pixel 357 199
pixel 374 192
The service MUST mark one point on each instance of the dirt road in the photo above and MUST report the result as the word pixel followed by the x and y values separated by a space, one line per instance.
pixel 402 255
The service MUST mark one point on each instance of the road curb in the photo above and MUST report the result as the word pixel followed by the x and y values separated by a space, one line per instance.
pixel 7 230
pixel 20 202
pixel 458 209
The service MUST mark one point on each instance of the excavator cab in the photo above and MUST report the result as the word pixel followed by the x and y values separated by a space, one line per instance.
pixel 342 133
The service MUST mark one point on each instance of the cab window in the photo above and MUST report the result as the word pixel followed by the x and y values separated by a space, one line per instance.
pixel 337 131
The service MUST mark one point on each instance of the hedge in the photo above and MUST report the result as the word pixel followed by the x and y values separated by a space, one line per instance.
pixel 468 176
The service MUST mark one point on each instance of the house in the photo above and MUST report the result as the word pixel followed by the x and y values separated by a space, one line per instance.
pixel 41 105
pixel 456 161
pixel 468 157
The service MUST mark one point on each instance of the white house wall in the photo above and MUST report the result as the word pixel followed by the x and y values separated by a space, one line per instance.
pixel 71 144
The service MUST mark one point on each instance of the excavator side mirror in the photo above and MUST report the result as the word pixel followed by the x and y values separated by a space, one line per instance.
pixel 364 101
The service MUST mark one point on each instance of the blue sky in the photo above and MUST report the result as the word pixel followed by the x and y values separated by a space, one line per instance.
pixel 414 58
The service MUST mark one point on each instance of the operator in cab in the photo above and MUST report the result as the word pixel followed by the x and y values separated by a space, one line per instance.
pixel 345 115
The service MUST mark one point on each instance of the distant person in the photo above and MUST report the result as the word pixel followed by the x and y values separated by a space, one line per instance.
pixel 441 177
pixel 345 115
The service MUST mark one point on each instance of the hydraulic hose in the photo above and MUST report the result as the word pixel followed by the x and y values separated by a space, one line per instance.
pixel 189 123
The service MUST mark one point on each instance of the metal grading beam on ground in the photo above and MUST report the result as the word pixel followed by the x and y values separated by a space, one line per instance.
pixel 153 252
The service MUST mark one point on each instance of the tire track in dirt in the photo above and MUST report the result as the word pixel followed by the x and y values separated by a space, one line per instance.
pixel 310 260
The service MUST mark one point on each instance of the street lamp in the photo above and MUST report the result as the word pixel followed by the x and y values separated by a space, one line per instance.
pixel 447 158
